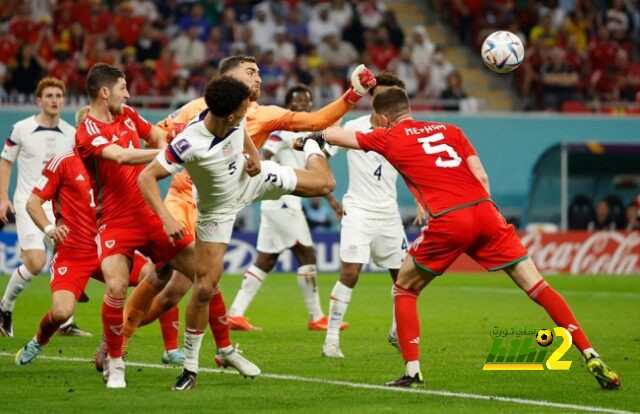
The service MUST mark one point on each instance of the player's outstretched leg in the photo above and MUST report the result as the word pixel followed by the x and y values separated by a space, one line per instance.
pixel 526 276
pixel 338 303
pixel 253 279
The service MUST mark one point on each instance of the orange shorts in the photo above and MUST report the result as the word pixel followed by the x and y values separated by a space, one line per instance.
pixel 183 211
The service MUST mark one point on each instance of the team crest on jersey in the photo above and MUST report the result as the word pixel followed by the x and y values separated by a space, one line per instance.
pixel 62 270
pixel 114 138
pixel 110 243
pixel 129 123
pixel 227 150
pixel 181 146
pixel 100 140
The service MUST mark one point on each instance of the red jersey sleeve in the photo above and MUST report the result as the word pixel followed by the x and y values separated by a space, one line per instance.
pixel 50 181
pixel 142 125
pixel 89 140
pixel 376 140
pixel 466 148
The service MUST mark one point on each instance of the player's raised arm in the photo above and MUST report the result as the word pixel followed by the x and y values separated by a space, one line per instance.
pixel 157 138
pixel 337 136
pixel 128 156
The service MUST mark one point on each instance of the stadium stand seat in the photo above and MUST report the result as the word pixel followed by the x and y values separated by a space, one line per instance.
pixel 575 107
pixel 616 211
pixel 581 212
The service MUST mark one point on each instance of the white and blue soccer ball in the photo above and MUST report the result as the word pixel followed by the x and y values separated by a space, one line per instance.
pixel 502 51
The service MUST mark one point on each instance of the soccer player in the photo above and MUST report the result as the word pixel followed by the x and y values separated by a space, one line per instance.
pixel 283 226
pixel 33 141
pixel 371 226
pixel 444 173
pixel 261 121
pixel 125 222
pixel 210 149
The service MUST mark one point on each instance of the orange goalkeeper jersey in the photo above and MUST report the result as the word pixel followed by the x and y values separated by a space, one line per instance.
pixel 262 120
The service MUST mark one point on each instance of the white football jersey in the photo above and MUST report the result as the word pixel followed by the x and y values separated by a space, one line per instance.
pixel 279 144
pixel 30 146
pixel 215 165
pixel 372 180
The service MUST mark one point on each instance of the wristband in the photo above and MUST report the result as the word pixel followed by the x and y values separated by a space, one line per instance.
pixel 48 228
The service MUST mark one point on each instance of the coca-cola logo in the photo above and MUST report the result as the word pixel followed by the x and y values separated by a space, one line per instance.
pixel 606 252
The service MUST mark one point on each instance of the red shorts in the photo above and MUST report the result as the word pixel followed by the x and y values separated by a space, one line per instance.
pixel 479 231
pixel 139 260
pixel 72 270
pixel 149 238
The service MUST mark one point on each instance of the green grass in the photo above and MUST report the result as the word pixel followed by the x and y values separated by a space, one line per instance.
pixel 457 313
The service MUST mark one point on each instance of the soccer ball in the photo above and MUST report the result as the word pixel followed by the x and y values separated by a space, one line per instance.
pixel 544 337
pixel 502 51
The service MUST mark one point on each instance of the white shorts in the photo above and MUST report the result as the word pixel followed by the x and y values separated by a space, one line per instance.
pixel 282 229
pixel 29 235
pixel 273 182
pixel 382 240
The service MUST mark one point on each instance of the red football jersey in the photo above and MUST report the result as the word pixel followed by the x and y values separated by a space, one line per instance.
pixel 118 198
pixel 67 184
pixel 431 157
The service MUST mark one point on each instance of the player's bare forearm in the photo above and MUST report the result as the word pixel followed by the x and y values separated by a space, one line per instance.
pixel 129 156
pixel 5 178
pixel 148 183
pixel 340 137
pixel 335 205
pixel 320 119
pixel 252 166
pixel 36 212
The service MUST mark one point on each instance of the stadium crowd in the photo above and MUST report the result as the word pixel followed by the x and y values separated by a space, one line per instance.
pixel 169 49
pixel 580 54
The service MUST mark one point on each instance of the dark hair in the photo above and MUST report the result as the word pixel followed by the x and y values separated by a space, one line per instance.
pixel 387 79
pixel 224 95
pixel 231 62
pixel 102 74
pixel 295 89
pixel 392 103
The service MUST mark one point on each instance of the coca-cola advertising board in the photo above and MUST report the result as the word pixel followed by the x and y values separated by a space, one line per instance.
pixel 576 252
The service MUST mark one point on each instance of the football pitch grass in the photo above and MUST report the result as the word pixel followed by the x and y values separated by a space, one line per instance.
pixel 458 312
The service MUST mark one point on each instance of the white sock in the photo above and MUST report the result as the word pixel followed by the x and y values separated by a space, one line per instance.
pixel 412 368
pixel 192 342
pixel 67 323
pixel 311 147
pixel 308 284
pixel 253 279
pixel 340 297
pixel 20 278
pixel 393 331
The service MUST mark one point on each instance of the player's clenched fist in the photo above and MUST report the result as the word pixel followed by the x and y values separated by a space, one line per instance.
pixel 362 79
pixel 5 207
pixel 57 234
pixel 173 228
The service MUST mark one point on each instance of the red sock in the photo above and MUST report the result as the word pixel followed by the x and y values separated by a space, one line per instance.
pixel 47 328
pixel 406 306
pixel 218 320
pixel 112 325
pixel 170 324
pixel 559 310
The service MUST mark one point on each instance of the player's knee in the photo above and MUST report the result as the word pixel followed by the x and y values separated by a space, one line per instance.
pixel 203 293
pixel 168 300
pixel 117 288
pixel 349 278
pixel 35 262
pixel 61 312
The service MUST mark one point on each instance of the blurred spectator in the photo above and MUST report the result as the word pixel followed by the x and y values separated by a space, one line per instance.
pixel 602 220
pixel 215 48
pixel 370 12
pixel 8 45
pixel 3 77
pixel 97 19
pixel 166 69
pixel 381 49
pixel 633 222
pixel 46 40
pixel 576 28
pixel 128 25
pixel 608 83
pixel 64 68
pixel 144 84
pixel 602 50
pixel 28 71
pixel 196 18
pixel 544 29
pixel 396 36
pixel 326 87
pixel 262 28
pixel 337 53
pixel 321 25
pixel 23 26
pixel 147 47
pixel 617 21
pixel 243 10
pixel 284 52
pixel 131 67
pixel 422 50
pixel 112 39
pixel 404 68
pixel 559 81
pixel 313 60
pixel 188 49
pixel 453 92
pixel 439 70
pixel 272 75
pixel 41 9
pixel 213 11
pixel 229 26
pixel 318 214
pixel 144 8
pixel 341 13
pixel 98 52
pixel 354 33
pixel 296 29
pixel 182 91
pixel 463 14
